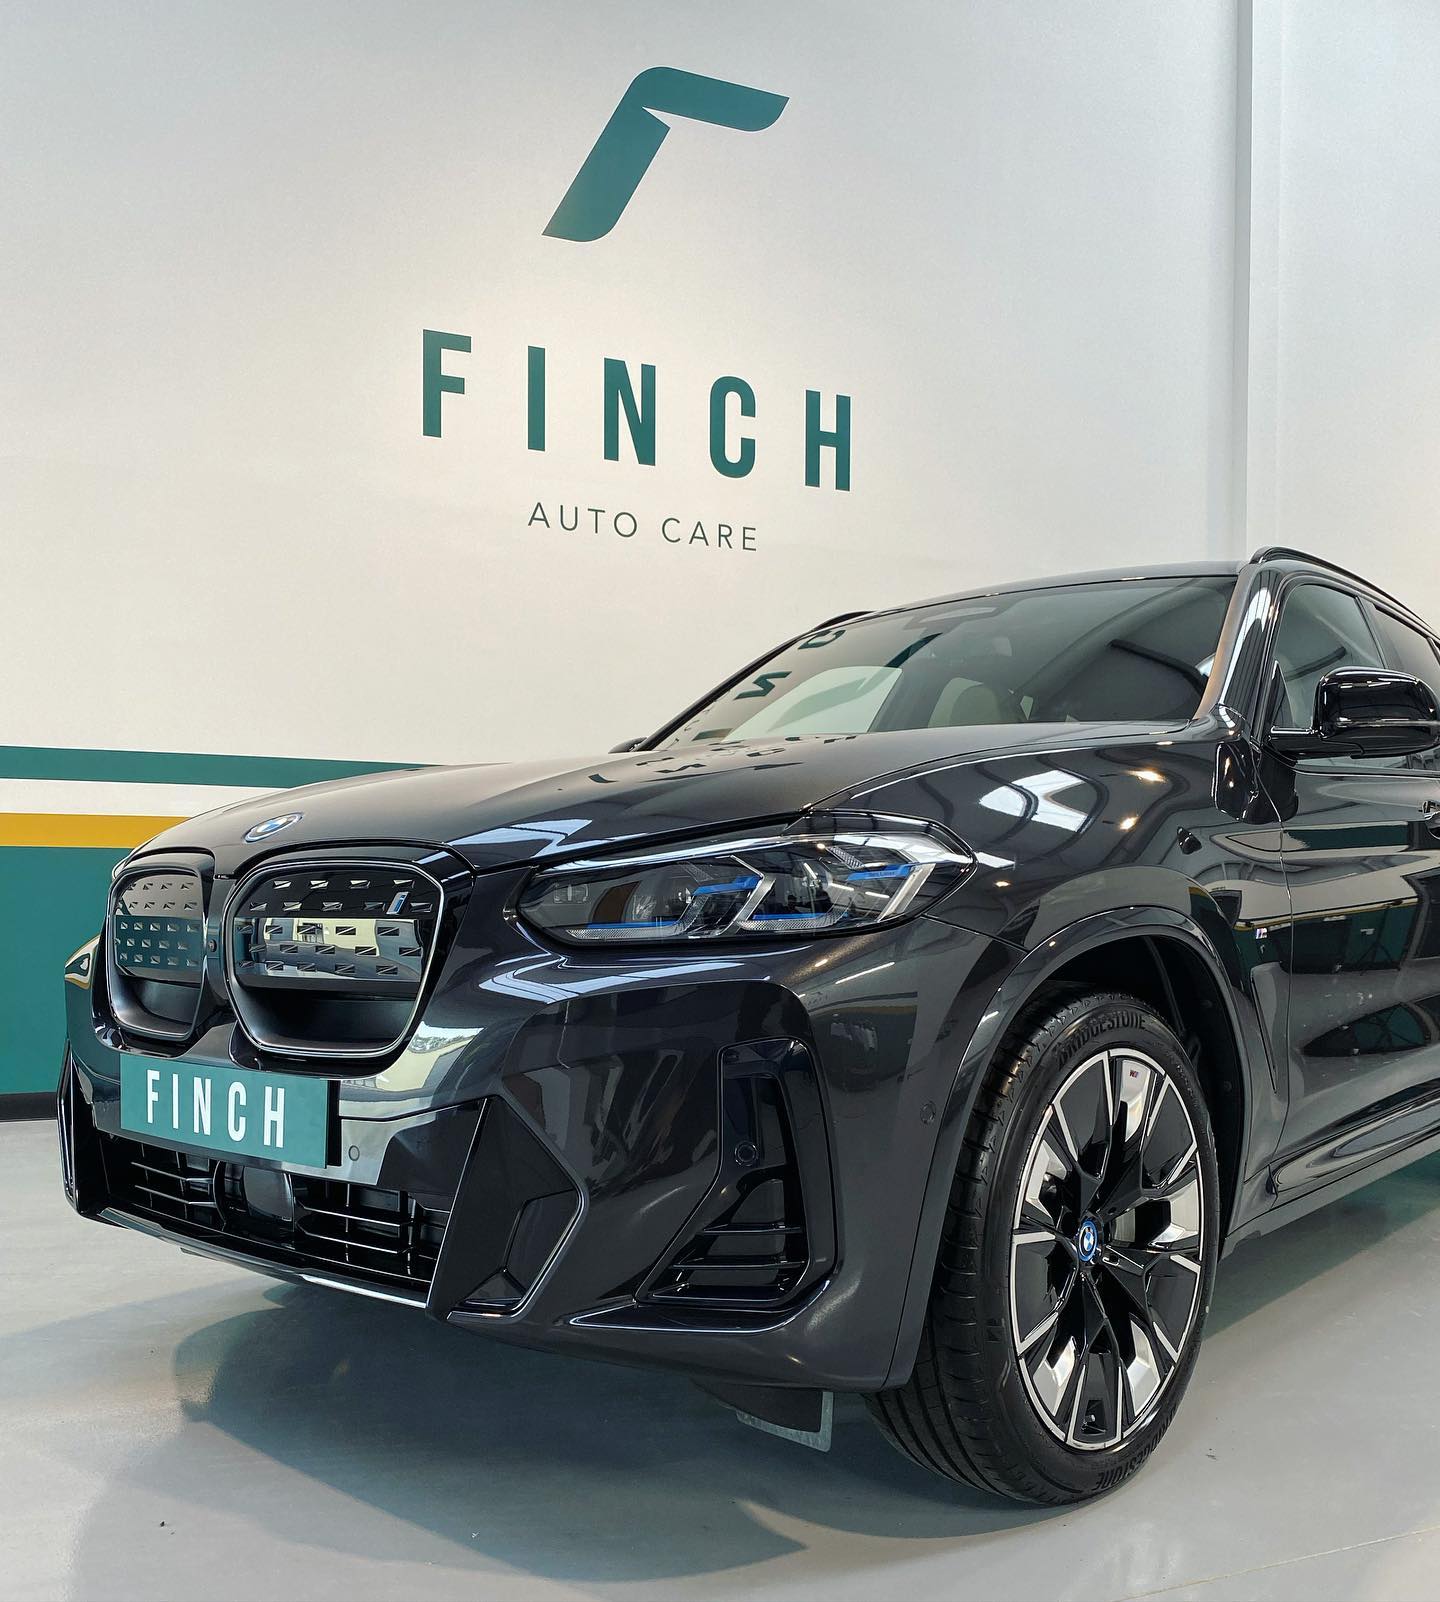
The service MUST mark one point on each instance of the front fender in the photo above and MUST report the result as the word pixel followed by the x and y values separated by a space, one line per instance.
pixel 1040 964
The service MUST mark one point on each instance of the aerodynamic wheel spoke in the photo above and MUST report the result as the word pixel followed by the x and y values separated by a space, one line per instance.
pixel 1093 1408
pixel 1129 1259
pixel 1050 1319
pixel 1085 1111
pixel 1035 1231
pixel 1048 1194
pixel 1043 1271
pixel 1136 1188
pixel 1161 1288
pixel 1062 1126
pixel 1127 1279
pixel 1142 1180
pixel 1147 1368
pixel 1070 1402
pixel 1042 1328
pixel 1138 1087
pixel 1176 1173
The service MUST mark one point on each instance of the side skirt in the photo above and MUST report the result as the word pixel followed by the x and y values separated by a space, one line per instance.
pixel 1341 1164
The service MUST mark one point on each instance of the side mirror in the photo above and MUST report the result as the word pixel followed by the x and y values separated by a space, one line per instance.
pixel 1366 712
pixel 629 745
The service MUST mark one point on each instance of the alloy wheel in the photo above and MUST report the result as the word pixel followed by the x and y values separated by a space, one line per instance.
pixel 1107 1247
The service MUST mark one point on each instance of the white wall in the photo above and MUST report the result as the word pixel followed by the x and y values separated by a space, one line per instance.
pixel 1005 230
pixel 1104 284
pixel 1358 413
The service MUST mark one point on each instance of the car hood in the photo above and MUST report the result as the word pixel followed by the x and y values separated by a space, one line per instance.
pixel 502 814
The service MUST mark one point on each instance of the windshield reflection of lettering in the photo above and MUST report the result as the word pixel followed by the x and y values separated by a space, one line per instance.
pixel 818 641
pixel 841 694
pixel 764 683
pixel 1036 800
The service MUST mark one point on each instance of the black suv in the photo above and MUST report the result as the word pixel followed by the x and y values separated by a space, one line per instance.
pixel 919 1015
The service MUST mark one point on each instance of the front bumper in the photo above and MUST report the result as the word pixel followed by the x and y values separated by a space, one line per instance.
pixel 568 1152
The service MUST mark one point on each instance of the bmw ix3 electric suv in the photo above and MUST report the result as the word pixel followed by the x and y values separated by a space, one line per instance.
pixel 918 1016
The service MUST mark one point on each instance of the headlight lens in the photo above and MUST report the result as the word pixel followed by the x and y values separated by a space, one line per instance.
pixel 772 886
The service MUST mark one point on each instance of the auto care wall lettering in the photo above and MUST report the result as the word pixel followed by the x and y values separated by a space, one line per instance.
pixel 628 413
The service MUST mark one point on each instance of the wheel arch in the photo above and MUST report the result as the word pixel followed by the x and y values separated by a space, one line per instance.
pixel 1169 961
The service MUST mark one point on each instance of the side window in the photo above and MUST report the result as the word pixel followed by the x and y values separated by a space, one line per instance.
pixel 1407 650
pixel 1321 629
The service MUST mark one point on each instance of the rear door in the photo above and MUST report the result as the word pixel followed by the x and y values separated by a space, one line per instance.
pixel 1362 860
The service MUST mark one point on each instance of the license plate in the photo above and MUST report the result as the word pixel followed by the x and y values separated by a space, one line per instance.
pixel 232 1110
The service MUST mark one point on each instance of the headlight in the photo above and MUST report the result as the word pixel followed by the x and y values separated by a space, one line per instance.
pixel 772 886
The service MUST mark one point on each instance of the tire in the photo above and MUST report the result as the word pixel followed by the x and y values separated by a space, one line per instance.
pixel 1030 1236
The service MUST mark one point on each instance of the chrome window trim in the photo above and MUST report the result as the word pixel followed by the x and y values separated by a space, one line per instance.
pixel 234 990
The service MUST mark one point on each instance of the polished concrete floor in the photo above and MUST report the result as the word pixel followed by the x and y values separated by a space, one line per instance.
pixel 170 1428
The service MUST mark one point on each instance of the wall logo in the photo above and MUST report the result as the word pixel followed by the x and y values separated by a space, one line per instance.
pixel 263 831
pixel 626 399
pixel 622 154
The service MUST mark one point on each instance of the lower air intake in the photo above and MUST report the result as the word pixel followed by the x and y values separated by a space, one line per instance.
pixel 381 1237
pixel 754 1247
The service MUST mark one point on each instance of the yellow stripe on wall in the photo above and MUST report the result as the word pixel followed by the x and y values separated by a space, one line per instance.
pixel 78 829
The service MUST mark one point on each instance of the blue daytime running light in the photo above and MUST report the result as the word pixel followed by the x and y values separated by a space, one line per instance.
pixel 901 870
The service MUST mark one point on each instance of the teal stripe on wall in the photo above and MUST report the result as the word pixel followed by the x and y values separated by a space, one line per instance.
pixel 62 891
pixel 176 767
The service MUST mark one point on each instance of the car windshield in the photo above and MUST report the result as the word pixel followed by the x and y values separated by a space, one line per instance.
pixel 1121 650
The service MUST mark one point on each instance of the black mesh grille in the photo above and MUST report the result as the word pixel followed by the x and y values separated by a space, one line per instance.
pixel 335 929
pixel 331 958
pixel 157 950
pixel 383 1237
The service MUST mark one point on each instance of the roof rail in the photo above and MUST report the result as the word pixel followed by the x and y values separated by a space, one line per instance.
pixel 1280 553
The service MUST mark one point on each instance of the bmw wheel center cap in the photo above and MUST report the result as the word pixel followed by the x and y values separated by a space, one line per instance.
pixel 1087 1242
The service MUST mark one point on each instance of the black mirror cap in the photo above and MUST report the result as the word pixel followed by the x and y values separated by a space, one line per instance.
pixel 1366 712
